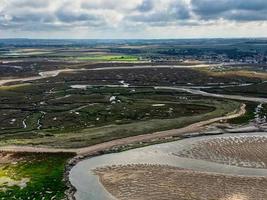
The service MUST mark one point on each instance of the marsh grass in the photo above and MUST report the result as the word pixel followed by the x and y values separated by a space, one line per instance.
pixel 44 172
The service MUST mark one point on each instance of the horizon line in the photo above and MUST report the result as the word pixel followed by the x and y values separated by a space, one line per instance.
pixel 193 38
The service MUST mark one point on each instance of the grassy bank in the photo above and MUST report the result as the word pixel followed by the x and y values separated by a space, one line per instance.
pixel 70 117
pixel 32 176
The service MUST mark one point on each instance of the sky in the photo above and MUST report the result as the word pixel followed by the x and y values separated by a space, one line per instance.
pixel 136 19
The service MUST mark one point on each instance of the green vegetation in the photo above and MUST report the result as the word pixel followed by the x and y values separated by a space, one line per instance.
pixel 249 115
pixel 33 176
pixel 252 113
pixel 51 112
pixel 11 87
pixel 109 58
pixel 254 90
pixel 69 117
pixel 18 53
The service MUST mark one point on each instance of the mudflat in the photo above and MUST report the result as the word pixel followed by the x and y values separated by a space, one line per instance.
pixel 241 151
pixel 143 182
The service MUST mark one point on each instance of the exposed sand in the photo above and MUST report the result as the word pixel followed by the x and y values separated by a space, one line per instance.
pixel 6 158
pixel 5 178
pixel 7 182
pixel 42 75
pixel 146 182
pixel 241 151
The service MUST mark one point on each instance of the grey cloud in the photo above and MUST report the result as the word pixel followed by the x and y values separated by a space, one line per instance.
pixel 103 4
pixel 179 10
pixel 32 18
pixel 69 16
pixel 147 5
pixel 238 10
pixel 81 18
pixel 29 3
pixel 150 18
pixel 255 5
pixel 131 14
pixel 246 15
pixel 176 11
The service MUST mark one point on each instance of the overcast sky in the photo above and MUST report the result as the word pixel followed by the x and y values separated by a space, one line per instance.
pixel 133 18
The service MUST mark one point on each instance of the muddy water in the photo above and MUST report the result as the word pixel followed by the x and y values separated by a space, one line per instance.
pixel 88 186
pixel 207 94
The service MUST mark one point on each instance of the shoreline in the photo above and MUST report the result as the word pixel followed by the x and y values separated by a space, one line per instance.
pixel 107 147
pixel 91 150
pixel 104 148
pixel 70 192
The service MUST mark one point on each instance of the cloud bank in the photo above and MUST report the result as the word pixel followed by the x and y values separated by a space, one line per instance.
pixel 132 18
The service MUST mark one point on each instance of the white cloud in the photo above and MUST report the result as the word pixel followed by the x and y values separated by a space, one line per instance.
pixel 131 18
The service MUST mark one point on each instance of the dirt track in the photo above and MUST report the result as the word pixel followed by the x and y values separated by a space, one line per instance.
pixel 91 150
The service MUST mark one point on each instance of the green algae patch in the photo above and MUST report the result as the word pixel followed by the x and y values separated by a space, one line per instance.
pixel 32 176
